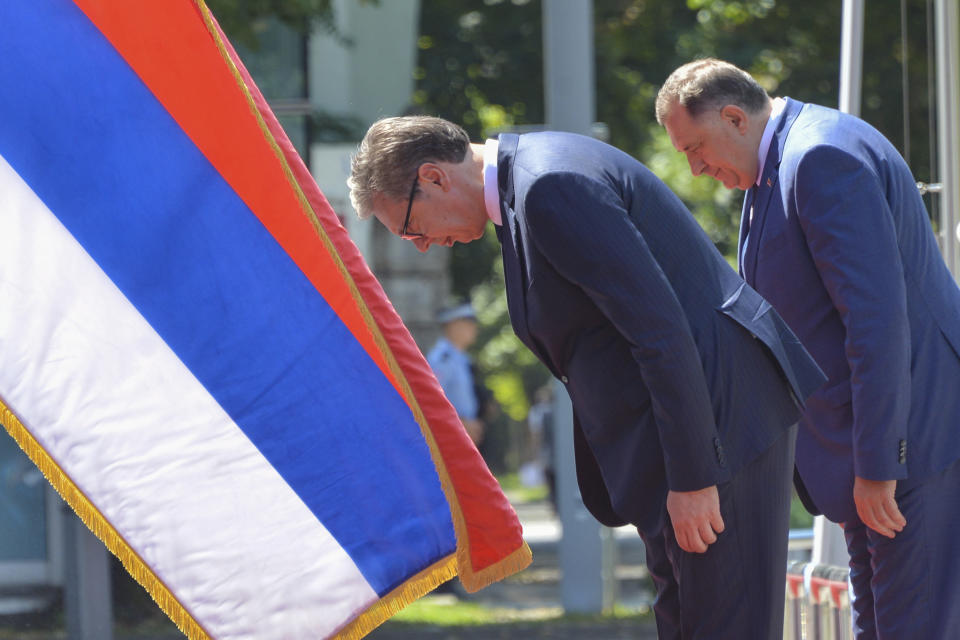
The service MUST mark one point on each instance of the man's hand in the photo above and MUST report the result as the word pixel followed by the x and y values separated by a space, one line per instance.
pixel 696 518
pixel 877 507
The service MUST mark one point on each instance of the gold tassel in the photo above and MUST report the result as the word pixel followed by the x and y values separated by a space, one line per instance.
pixel 394 602
pixel 517 561
pixel 100 527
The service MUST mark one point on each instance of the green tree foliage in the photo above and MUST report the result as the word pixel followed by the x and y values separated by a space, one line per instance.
pixel 244 21
pixel 271 38
pixel 481 62
pixel 480 65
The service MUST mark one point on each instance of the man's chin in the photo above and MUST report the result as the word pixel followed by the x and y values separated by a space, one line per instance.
pixel 730 183
pixel 724 182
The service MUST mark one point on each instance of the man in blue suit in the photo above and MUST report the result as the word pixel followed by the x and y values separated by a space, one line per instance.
pixel 685 383
pixel 835 235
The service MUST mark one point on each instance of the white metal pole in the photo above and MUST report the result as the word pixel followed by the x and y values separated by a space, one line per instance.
pixel 851 56
pixel 948 124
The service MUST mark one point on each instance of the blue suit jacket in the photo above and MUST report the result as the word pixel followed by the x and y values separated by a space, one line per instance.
pixel 678 371
pixel 841 245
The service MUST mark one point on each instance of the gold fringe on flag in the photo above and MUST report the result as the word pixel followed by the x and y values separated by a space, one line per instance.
pixel 100 526
pixel 392 603
pixel 378 613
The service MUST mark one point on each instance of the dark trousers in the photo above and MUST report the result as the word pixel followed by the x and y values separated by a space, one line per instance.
pixel 736 589
pixel 909 587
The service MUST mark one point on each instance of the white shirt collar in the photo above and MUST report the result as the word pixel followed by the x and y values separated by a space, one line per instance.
pixel 491 193
pixel 776 110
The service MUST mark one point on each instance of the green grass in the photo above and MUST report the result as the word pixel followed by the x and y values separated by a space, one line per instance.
pixel 448 611
pixel 517 492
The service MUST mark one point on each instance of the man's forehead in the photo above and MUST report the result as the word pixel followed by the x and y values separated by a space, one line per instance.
pixel 386 210
pixel 683 129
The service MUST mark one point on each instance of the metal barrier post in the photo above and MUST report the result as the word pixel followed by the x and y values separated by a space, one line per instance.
pixel 835 581
pixel 817 625
pixel 817 603
pixel 793 607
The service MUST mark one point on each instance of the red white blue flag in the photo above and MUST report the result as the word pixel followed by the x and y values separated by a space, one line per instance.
pixel 195 354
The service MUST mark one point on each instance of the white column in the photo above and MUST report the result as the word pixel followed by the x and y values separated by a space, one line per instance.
pixel 87 596
pixel 587 550
pixel 568 65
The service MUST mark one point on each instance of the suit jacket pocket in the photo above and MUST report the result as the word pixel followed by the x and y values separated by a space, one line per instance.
pixel 775 243
pixel 605 385
pixel 608 407
pixel 953 339
pixel 748 309
pixel 838 394
pixel 746 306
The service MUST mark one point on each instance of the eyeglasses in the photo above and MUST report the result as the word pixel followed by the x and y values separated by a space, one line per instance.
pixel 406 235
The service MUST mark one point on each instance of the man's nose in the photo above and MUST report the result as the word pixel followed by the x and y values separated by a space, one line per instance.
pixel 696 165
pixel 422 244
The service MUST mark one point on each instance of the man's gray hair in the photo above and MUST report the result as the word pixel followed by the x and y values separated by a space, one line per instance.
pixel 709 84
pixel 393 149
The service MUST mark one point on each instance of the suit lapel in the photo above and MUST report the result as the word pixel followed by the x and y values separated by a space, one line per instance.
pixel 751 232
pixel 761 202
pixel 506 151
pixel 510 244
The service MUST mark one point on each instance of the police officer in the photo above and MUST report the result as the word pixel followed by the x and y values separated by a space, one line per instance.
pixel 450 363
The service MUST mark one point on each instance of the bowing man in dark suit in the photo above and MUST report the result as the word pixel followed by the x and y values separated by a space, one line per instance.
pixel 835 235
pixel 686 385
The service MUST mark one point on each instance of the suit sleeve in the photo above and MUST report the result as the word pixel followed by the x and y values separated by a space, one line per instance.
pixel 851 235
pixel 582 228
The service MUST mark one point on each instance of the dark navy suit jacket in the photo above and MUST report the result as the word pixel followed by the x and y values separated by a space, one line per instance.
pixel 678 371
pixel 841 245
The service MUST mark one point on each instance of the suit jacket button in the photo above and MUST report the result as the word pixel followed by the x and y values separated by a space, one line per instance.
pixel 721 456
pixel 563 379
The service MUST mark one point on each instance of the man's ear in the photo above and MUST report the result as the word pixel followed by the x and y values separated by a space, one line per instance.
pixel 434 173
pixel 736 116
